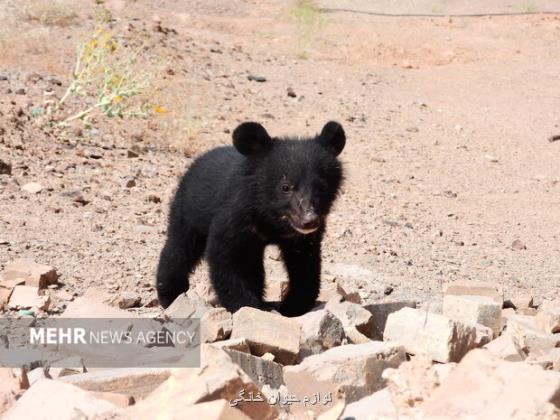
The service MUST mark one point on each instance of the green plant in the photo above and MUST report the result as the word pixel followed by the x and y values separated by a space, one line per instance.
pixel 110 80
pixel 309 20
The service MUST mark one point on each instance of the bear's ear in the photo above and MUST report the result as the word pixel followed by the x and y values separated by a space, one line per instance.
pixel 250 138
pixel 332 137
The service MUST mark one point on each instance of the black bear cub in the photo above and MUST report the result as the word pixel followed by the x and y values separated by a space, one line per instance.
pixel 234 201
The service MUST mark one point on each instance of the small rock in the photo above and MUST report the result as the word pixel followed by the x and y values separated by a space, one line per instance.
pixel 380 312
pixel 239 344
pixel 33 274
pixel 129 300
pixel 378 405
pixel 517 245
pixel 291 93
pixel 444 339
pixel 187 306
pixel 5 168
pixel 215 325
pixel 260 370
pixel 352 315
pixel 506 347
pixel 476 288
pixel 32 188
pixel 526 332
pixel 254 78
pixel 261 328
pixel 20 91
pixel 47 397
pixel 320 330
pixel 131 154
pixel 474 309
pixel 348 372
pixel 130 182
pixel 25 297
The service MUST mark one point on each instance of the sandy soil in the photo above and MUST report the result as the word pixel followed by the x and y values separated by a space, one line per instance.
pixel 447 119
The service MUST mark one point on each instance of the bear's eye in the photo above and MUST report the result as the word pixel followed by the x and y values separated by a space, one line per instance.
pixel 285 187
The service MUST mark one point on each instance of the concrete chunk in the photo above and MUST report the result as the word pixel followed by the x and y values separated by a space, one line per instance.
pixel 217 378
pixel 134 382
pixel 486 387
pixel 525 330
pixel 474 309
pixel 266 332
pixel 444 339
pixel 261 371
pixel 476 288
pixel 381 311
pixel 378 405
pixel 48 399
pixel 506 347
pixel 548 316
pixel 320 330
pixel 215 325
pixel 38 275
pixel 351 315
pixel 239 344
pixel 348 372
pixel 26 297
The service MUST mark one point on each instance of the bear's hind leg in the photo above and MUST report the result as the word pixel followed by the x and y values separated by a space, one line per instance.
pixel 179 256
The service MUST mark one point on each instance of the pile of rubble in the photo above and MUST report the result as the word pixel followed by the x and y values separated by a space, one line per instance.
pixel 473 356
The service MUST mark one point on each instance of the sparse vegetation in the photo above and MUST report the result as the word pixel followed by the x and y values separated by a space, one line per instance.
pixel 110 81
pixel 308 20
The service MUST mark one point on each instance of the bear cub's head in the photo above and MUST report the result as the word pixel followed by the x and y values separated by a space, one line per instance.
pixel 293 182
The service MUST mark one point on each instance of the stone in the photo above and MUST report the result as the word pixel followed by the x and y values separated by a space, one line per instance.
pixel 320 330
pixel 276 289
pixel 554 357
pixel 133 382
pixel 348 290
pixel 239 344
pixel 84 307
pixel 5 168
pixel 548 317
pixel 4 297
pixel 444 339
pixel 354 336
pixel 47 398
pixel 476 288
pixel 217 378
pixel 215 325
pixel 529 336
pixel 351 315
pixel 474 309
pixel 348 372
pixel 380 312
pixel 520 300
pixel 129 300
pixel 119 400
pixel 414 381
pixel 378 405
pixel 39 275
pixel 267 332
pixel 506 347
pixel 32 188
pixel 26 297
pixel 261 371
pixel 36 374
pixel 65 367
pixel 485 385
pixel 187 307
pixel 10 387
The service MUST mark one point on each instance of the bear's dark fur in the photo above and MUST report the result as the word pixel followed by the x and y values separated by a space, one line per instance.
pixel 234 201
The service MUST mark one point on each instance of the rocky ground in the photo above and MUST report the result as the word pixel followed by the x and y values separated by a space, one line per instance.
pixel 450 177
